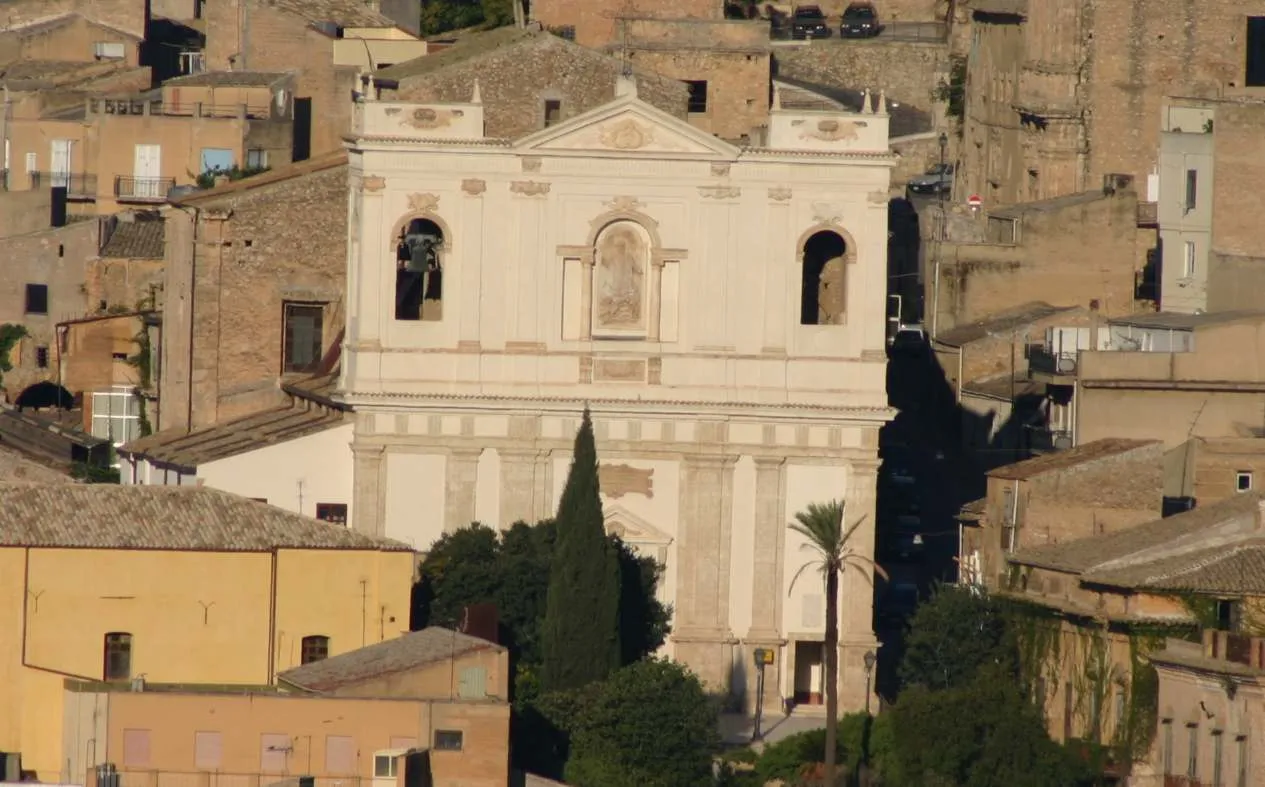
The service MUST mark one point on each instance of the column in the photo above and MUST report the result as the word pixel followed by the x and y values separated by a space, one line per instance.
pixel 586 298
pixel 542 487
pixel 461 477
pixel 767 579
pixel 519 487
pixel 701 635
pixel 856 632
pixel 656 300
pixel 368 487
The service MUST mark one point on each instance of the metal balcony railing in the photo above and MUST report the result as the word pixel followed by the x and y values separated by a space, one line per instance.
pixel 1041 359
pixel 142 189
pixel 78 186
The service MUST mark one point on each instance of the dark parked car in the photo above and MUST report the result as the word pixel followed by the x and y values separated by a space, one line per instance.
pixel 937 180
pixel 860 20
pixel 809 22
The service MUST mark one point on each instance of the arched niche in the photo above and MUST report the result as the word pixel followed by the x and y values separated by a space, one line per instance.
pixel 824 253
pixel 423 245
pixel 623 254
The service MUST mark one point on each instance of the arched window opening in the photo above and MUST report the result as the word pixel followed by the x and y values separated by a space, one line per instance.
pixel 419 275
pixel 314 648
pixel 118 656
pixel 823 297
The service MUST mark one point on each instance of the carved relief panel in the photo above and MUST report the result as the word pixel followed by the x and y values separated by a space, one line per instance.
pixel 620 273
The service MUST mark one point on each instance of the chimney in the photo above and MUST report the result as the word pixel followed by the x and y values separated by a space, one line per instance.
pixel 625 85
pixel 482 621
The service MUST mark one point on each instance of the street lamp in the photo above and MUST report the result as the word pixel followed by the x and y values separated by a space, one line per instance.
pixel 870 658
pixel 763 658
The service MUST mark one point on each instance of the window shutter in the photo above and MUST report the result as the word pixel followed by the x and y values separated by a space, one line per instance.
pixel 473 683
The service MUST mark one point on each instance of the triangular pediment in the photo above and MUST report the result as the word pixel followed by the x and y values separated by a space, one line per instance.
pixel 627 127
pixel 632 529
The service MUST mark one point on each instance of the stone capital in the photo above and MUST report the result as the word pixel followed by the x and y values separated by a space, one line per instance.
pixel 711 462
pixel 862 467
pixel 368 451
pixel 464 452
pixel 764 637
pixel 768 462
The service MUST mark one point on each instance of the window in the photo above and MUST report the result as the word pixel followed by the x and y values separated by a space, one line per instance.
pixel 340 755
pixel 37 299
pixel 1192 753
pixel 216 160
pixel 473 683
pixel 41 357
pixel 419 272
pixel 1240 743
pixel 822 280
pixel 105 50
pixel 256 159
pixel 136 748
pixel 303 326
pixel 1192 189
pixel 116 415
pixel 273 751
pixel 384 766
pixel 1216 759
pixel 1119 709
pixel 553 112
pixel 118 656
pixel 1243 481
pixel 208 751
pixel 698 96
pixel 1229 615
pixel 1166 754
pixel 1068 707
pixel 314 648
pixel 334 513
pixel 1188 259
pixel 31 163
pixel 448 740
pixel 1254 75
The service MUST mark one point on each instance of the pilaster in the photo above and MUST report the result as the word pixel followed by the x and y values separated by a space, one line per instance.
pixel 368 489
pixel 656 300
pixel 857 592
pixel 521 486
pixel 461 476
pixel 770 544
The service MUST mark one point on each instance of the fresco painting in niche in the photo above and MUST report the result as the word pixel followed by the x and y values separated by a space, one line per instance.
pixel 623 256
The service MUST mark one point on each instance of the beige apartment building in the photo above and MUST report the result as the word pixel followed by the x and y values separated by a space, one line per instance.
pixel 117 151
pixel 69 36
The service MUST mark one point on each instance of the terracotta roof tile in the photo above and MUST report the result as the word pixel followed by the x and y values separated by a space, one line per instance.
pixel 143 237
pixel 344 13
pixel 1072 457
pixel 396 655
pixel 104 516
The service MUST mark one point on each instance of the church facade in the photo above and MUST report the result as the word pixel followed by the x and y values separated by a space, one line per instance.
pixel 719 309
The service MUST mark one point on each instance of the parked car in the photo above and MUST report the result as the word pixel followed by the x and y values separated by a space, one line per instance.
pixel 937 180
pixel 860 20
pixel 909 339
pixel 809 22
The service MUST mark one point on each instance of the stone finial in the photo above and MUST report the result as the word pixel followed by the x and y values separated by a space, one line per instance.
pixel 882 102
pixel 477 96
pixel 866 108
pixel 625 85
pixel 777 97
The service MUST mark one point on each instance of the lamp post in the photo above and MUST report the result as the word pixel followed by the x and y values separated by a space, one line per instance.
pixel 940 232
pixel 871 658
pixel 763 657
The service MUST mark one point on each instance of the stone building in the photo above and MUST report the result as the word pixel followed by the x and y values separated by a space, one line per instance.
pixel 1059 95
pixel 1094 488
pixel 128 16
pixel 720 310
pixel 253 290
pixel 69 36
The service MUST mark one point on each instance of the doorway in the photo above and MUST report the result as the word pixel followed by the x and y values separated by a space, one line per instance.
pixel 301 148
pixel 810 672
pixel 147 171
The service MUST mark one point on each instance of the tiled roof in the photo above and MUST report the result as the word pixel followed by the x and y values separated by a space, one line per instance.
pixel 41 26
pixel 275 175
pixel 1062 460
pixel 142 237
pixel 1227 522
pixel 182 518
pixel 188 450
pixel 50 73
pixel 386 658
pixel 903 117
pixel 17 469
pixel 1179 321
pixel 344 13
pixel 234 78
pixel 1004 322
pixel 1232 568
pixel 466 48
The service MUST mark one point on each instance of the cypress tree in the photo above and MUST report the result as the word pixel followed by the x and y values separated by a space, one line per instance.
pixel 580 635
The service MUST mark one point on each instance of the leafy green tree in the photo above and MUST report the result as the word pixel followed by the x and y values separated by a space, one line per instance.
pixel 580 638
pixel 459 570
pixel 649 724
pixel 830 541
pixel 954 635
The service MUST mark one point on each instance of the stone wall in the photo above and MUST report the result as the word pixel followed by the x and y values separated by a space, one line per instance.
pixel 594 21
pixel 1049 262
pixel 1236 272
pixel 908 71
pixel 24 211
pixel 515 81
pixel 283 238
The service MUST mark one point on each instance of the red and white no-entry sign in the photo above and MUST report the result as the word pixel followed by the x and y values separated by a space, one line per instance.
pixel 974 201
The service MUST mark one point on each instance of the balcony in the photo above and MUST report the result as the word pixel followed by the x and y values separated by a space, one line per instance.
pixel 129 189
pixel 1043 360
pixel 156 107
pixel 78 186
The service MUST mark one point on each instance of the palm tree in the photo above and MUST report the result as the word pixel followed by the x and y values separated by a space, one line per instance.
pixel 828 539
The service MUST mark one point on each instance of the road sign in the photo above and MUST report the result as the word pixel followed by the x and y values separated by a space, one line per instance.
pixel 763 656
pixel 975 201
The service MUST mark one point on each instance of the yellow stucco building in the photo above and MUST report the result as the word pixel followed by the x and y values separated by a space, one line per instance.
pixel 173 585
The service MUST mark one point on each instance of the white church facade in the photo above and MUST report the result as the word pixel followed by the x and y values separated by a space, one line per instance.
pixel 719 309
